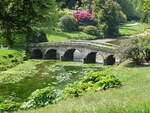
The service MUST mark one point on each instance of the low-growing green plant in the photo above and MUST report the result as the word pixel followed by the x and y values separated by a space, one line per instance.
pixel 92 81
pixel 40 97
pixel 8 106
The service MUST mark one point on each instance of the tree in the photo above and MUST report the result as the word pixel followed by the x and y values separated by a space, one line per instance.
pixel 24 16
pixel 106 13
pixel 74 4
pixel 146 6
pixel 130 7
pixel 136 49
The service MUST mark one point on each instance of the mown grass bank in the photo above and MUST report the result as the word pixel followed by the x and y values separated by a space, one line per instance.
pixel 133 97
pixel 10 58
pixel 133 28
pixel 62 36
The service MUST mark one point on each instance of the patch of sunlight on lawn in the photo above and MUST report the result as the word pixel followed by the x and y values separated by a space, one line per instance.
pixel 133 28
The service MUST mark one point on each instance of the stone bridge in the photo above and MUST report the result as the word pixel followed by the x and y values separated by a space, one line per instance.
pixel 74 51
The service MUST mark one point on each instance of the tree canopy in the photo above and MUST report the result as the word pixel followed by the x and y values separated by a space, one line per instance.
pixel 107 13
pixel 146 6
pixel 23 16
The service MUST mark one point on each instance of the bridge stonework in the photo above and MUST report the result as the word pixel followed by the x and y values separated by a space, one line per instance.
pixel 65 51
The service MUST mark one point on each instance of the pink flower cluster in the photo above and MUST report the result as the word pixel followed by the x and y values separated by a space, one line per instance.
pixel 82 15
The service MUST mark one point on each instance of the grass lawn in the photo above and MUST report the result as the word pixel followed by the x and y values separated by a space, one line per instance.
pixel 132 97
pixel 130 28
pixel 133 28
pixel 61 36
pixel 5 52
pixel 10 58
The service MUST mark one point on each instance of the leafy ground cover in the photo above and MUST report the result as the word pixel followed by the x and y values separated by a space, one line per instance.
pixel 17 84
pixel 133 97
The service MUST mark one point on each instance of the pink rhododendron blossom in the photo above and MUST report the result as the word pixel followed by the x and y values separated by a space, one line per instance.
pixel 82 16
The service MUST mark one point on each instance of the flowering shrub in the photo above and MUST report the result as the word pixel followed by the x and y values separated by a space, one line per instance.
pixel 83 17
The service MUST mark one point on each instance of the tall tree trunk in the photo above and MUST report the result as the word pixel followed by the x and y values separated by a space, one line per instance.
pixel 8 36
pixel 29 34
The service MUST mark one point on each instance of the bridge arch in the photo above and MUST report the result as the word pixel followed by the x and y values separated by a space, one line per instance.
pixel 37 54
pixel 110 60
pixel 69 54
pixel 90 58
pixel 51 54
pixel 94 57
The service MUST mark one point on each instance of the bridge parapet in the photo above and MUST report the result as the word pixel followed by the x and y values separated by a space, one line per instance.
pixel 65 50
pixel 76 44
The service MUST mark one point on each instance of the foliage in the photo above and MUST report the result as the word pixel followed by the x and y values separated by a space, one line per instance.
pixel 106 14
pixel 18 73
pixel 84 17
pixel 136 49
pixel 40 97
pixel 146 6
pixel 68 23
pixel 92 30
pixel 24 16
pixel 64 12
pixel 19 82
pixel 8 106
pixel 122 18
pixel 74 4
pixel 92 81
pixel 10 58
pixel 130 8
pixel 133 97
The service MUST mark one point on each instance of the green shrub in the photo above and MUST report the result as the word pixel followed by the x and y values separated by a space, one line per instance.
pixel 40 97
pixel 92 30
pixel 68 24
pixel 105 13
pixel 92 81
pixel 136 49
